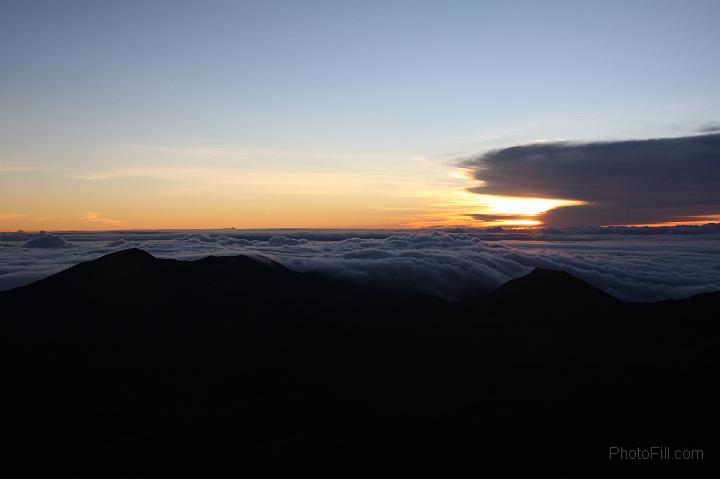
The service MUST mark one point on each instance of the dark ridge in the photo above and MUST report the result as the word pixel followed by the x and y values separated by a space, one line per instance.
pixel 134 268
pixel 545 288
pixel 134 276
pixel 135 366
pixel 109 271
pixel 126 256
pixel 242 261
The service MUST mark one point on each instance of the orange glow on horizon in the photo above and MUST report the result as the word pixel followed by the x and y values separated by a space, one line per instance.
pixel 417 194
pixel 164 197
pixel 705 220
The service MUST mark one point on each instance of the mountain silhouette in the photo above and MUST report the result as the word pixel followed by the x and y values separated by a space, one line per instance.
pixel 133 275
pixel 136 366
pixel 550 289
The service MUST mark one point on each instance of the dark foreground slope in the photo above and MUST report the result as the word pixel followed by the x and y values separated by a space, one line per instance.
pixel 133 366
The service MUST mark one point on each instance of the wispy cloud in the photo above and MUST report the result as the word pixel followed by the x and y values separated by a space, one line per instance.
pixel 244 153
pixel 11 216
pixel 309 183
pixel 97 217
pixel 710 128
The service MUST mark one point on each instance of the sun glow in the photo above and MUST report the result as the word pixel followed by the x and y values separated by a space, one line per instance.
pixel 518 206
pixel 492 210
pixel 463 208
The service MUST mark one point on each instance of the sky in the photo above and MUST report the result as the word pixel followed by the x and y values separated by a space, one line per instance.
pixel 375 114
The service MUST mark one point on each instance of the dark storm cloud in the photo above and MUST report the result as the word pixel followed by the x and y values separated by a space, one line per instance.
pixel 624 182
pixel 710 128
pixel 490 218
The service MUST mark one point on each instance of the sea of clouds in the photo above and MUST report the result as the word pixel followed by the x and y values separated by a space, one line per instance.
pixel 635 264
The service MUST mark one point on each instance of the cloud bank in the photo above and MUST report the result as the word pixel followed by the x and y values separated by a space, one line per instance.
pixel 45 241
pixel 624 182
pixel 636 264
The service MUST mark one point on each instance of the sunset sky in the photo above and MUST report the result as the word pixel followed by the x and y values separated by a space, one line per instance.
pixel 310 114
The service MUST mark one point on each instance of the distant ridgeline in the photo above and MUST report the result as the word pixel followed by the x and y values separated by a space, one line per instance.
pixel 130 366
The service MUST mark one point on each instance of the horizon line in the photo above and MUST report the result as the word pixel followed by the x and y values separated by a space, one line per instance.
pixel 439 227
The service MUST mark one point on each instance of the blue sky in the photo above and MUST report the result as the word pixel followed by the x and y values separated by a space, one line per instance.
pixel 347 88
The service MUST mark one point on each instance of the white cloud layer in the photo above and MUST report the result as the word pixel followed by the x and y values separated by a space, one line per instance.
pixel 636 264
